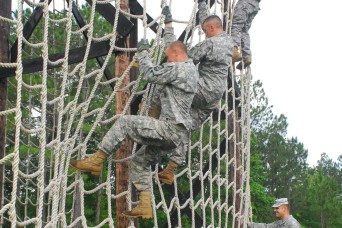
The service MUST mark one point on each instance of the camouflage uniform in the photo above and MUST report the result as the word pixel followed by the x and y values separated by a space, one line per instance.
pixel 244 13
pixel 289 222
pixel 213 55
pixel 177 85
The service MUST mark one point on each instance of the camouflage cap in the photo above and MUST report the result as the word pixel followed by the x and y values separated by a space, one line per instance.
pixel 279 202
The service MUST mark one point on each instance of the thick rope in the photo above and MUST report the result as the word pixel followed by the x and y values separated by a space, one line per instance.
pixel 62 137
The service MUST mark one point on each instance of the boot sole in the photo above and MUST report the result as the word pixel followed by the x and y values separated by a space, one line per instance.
pixel 245 65
pixel 237 60
pixel 166 181
pixel 95 173
pixel 138 216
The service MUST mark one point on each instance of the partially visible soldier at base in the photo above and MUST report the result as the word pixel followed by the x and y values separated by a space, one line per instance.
pixel 282 211
pixel 213 56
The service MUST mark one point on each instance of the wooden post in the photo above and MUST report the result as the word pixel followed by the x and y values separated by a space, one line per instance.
pixel 121 99
pixel 234 151
pixel 5 11
pixel 133 40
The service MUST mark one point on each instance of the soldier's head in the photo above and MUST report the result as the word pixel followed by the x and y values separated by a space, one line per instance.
pixel 281 208
pixel 212 26
pixel 176 52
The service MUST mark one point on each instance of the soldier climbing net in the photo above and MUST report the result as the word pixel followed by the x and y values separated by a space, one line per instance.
pixel 62 99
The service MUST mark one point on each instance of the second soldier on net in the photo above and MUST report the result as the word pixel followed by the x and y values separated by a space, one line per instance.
pixel 213 56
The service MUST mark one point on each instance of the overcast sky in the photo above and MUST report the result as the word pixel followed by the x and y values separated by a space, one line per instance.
pixel 296 47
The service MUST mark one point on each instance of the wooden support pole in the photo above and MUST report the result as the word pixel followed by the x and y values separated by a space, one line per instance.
pixel 133 41
pixel 122 175
pixel 5 11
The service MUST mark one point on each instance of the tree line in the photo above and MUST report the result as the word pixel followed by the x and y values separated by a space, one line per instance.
pixel 278 164
pixel 279 169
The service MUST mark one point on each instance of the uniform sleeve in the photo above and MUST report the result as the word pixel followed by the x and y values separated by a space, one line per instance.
pixel 293 223
pixel 169 36
pixel 203 11
pixel 261 225
pixel 155 100
pixel 162 74
pixel 199 51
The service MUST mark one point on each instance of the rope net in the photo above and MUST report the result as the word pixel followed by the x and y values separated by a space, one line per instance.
pixel 59 108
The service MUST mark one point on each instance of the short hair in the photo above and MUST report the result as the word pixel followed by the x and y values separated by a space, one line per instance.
pixel 216 20
pixel 178 45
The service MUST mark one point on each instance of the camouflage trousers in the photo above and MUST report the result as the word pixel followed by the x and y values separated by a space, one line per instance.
pixel 151 155
pixel 143 130
pixel 140 166
pixel 159 136
pixel 244 13
pixel 200 111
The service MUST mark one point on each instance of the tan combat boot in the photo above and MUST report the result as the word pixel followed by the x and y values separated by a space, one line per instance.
pixel 236 55
pixel 246 62
pixel 168 174
pixel 144 208
pixel 92 164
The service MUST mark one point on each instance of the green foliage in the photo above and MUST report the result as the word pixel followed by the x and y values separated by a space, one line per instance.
pixel 279 169
pixel 259 195
pixel 31 107
pixel 323 200
pixel 278 163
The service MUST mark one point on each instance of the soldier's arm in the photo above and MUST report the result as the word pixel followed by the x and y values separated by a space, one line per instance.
pixel 200 50
pixel 155 98
pixel 155 105
pixel 203 11
pixel 162 74
pixel 169 36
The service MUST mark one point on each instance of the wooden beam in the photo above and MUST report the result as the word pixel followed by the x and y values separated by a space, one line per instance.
pixel 99 59
pixel 137 9
pixel 76 55
pixel 108 12
pixel 28 29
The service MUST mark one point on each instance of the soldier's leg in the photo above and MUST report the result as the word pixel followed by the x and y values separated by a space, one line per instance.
pixel 201 109
pixel 245 38
pixel 141 178
pixel 240 17
pixel 141 129
pixel 198 116
pixel 245 45
pixel 177 156
pixel 140 167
